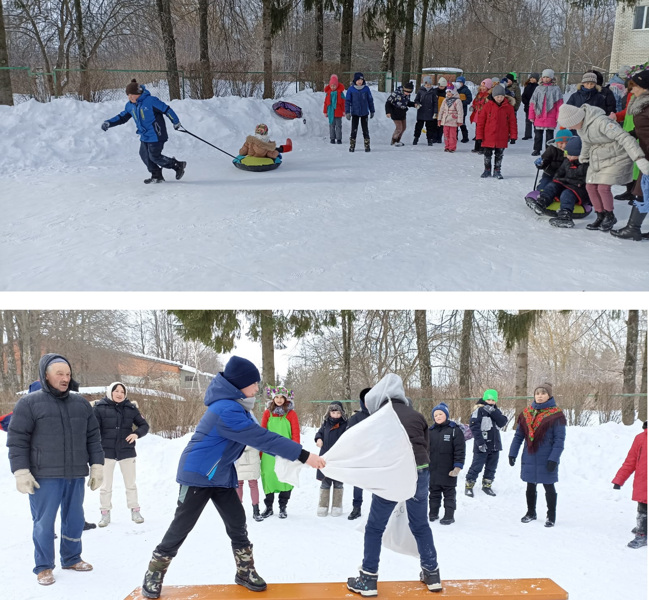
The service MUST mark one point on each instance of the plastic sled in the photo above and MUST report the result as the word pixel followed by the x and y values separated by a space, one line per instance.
pixel 579 212
pixel 287 110
pixel 253 163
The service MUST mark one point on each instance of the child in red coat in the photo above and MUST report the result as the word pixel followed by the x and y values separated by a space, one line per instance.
pixel 334 109
pixel 496 127
pixel 636 460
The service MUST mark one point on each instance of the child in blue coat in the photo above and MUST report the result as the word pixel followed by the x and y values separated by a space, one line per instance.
pixel 359 103
pixel 542 426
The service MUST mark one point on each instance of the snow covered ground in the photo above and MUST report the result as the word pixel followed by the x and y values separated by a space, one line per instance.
pixel 76 215
pixel 585 552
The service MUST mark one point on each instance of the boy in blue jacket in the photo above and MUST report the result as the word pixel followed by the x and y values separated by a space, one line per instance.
pixel 485 422
pixel 358 104
pixel 148 113
pixel 206 472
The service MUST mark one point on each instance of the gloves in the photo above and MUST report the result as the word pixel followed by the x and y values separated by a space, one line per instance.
pixel 455 472
pixel 538 162
pixel 96 477
pixel 105 125
pixel 25 482
pixel 489 408
pixel 348 117
pixel 512 461
pixel 643 165
pixel 616 486
pixel 371 115
pixel 482 448
pixel 512 142
pixel 551 466
pixel 177 126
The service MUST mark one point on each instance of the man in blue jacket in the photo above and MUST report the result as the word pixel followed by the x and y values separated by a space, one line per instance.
pixel 53 437
pixel 206 472
pixel 148 113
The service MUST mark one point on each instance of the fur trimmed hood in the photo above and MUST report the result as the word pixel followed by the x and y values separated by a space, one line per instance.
pixel 638 104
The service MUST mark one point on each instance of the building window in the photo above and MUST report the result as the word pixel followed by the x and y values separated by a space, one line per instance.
pixel 641 18
pixel 189 378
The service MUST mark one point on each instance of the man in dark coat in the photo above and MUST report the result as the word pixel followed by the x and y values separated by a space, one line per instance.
pixel 426 102
pixel 447 452
pixel 53 437
pixel 357 417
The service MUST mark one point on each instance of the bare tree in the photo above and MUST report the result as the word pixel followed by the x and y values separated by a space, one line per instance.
pixel 630 362
pixel 166 24
pixel 6 93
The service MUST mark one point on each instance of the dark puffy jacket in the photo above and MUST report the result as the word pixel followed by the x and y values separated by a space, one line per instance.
pixel 329 432
pixel 582 96
pixel 397 104
pixel 570 175
pixel 466 96
pixel 447 451
pixel 427 99
pixel 358 416
pixel 54 434
pixel 485 422
pixel 416 426
pixel 526 96
pixel 359 102
pixel 552 159
pixel 610 101
pixel 116 420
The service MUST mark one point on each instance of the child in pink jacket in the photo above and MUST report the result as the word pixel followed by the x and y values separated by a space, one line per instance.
pixel 544 109
pixel 450 117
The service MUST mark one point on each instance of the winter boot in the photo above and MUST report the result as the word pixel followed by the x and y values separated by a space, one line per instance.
pixel 640 538
pixel 364 584
pixel 268 512
pixel 595 225
pixel 486 173
pixel 551 499
pixel 105 518
pixel 609 221
pixel 356 512
pixel 154 179
pixel 465 134
pixel 136 517
pixel 415 141
pixel 433 513
pixel 477 148
pixel 255 513
pixel 152 585
pixel 563 219
pixel 448 517
pixel 430 142
pixel 468 488
pixel 498 174
pixel 627 194
pixel 179 167
pixel 530 496
pixel 246 575
pixel 332 141
pixel 367 145
pixel 352 144
pixel 282 509
pixel 87 526
pixel 632 229
pixel 431 579
pixel 536 153
pixel 337 502
pixel 323 504
pixel 486 487
pixel 528 517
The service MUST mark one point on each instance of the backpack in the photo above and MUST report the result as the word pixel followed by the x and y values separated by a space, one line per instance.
pixel 466 430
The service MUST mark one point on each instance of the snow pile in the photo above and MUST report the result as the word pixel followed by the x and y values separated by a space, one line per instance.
pixel 585 553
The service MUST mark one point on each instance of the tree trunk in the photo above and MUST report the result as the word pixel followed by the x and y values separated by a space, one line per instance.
pixel 6 92
pixel 347 30
pixel 347 330
pixel 393 56
pixel 169 42
pixel 407 41
pixel 268 49
pixel 465 365
pixel 207 88
pixel 630 362
pixel 385 60
pixel 642 405
pixel 423 354
pixel 422 41
pixel 267 348
pixel 319 44
pixel 521 377
pixel 84 83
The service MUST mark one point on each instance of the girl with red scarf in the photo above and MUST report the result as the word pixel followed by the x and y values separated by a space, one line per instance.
pixel 542 426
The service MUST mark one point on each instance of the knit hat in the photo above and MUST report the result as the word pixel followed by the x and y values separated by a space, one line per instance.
pixel 441 406
pixel 134 88
pixel 498 90
pixel 545 386
pixel 599 76
pixel 58 359
pixel 358 76
pixel 241 373
pixel 261 129
pixel 427 80
pixel 490 395
pixel 408 85
pixel 333 80
pixel 535 75
pixel 111 388
pixel 570 116
pixel 460 79
pixel 511 76
pixel 279 390
pixel 442 82
pixel 450 87
pixel 589 77
pixel 640 76
pixel 573 147
pixel 563 135
pixel 548 73
pixel 495 80
pixel 487 83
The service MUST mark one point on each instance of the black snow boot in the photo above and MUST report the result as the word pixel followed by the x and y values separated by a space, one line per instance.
pixel 155 574
pixel 246 575
pixel 609 221
pixel 465 134
pixel 415 141
pixel 433 513
pixel 596 224
pixel 87 526
pixel 448 517
pixel 282 510
pixel 468 488
pixel 627 194
pixel 640 539
pixel 431 579
pixel 154 179
pixel 530 496
pixel 179 167
pixel 268 512
pixel 486 487
pixel 367 144
pixel 563 219
pixel 498 174
pixel 364 584
pixel 551 499
pixel 477 148
pixel 255 513
pixel 356 512
pixel 352 144
pixel 632 229
pixel 430 142
pixel 486 173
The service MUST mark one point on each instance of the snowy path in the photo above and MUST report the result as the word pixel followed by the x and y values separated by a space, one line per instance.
pixel 411 218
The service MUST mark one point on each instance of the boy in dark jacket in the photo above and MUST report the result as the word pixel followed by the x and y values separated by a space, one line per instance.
pixel 526 97
pixel 485 422
pixel 588 92
pixel 447 451
pixel 426 104
pixel 358 105
pixel 551 159
pixel 357 417
pixel 466 97
pixel 332 428
pixel 396 107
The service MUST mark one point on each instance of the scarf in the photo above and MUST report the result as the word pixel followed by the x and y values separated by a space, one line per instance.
pixel 359 87
pixel 450 101
pixel 551 93
pixel 263 138
pixel 280 411
pixel 247 403
pixel 535 423
pixel 333 95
